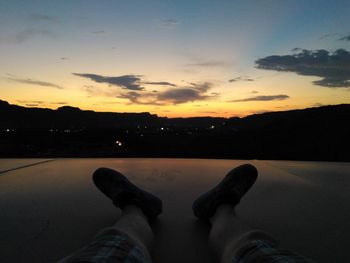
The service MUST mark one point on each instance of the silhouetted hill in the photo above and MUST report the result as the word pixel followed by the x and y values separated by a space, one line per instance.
pixel 68 117
pixel 310 134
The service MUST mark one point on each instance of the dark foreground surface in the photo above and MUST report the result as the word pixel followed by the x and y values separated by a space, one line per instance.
pixel 50 209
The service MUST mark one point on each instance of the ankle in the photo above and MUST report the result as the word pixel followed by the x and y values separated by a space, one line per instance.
pixel 135 211
pixel 223 211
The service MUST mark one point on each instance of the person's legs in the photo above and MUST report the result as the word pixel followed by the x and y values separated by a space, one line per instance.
pixel 224 232
pixel 130 239
pixel 232 240
pixel 135 224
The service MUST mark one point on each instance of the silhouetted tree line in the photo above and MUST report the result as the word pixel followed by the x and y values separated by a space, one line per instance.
pixel 311 134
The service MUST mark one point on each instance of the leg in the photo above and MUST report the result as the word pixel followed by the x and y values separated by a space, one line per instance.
pixel 130 238
pixel 232 240
pixel 135 224
pixel 225 230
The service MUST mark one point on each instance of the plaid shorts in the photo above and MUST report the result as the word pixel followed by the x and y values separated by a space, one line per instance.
pixel 257 246
pixel 112 246
pixel 109 246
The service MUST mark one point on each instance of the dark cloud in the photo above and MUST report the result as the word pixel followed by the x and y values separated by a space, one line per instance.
pixel 241 78
pixel 35 82
pixel 329 35
pixel 208 63
pixel 195 92
pixel 141 99
pixel 181 95
pixel 64 58
pixel 254 92
pixel 263 98
pixel 28 34
pixel 163 83
pixel 130 82
pixel 31 101
pixel 42 17
pixel 345 38
pixel 332 67
pixel 170 22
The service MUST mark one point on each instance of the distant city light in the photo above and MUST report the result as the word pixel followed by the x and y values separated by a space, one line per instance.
pixel 162 129
pixel 212 127
pixel 118 143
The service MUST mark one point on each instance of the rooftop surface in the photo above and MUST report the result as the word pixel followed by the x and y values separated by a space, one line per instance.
pixel 49 208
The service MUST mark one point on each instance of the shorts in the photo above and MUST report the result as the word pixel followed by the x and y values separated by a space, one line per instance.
pixel 257 246
pixel 113 246
pixel 109 246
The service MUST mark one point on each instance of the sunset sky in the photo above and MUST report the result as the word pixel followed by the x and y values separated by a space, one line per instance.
pixel 175 58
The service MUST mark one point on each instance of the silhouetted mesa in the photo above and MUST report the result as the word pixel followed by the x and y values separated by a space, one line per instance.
pixel 310 134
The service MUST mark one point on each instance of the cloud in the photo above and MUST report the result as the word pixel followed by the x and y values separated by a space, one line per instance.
pixel 195 92
pixel 163 83
pixel 34 82
pixel 241 78
pixel 138 98
pixel 94 91
pixel 329 35
pixel 25 35
pixel 28 34
pixel 254 91
pixel 332 67
pixel 42 17
pixel 182 95
pixel 208 63
pixel 169 23
pixel 31 102
pixel 34 103
pixel 130 82
pixel 196 62
pixel 345 38
pixel 99 32
pixel 263 98
pixel 59 103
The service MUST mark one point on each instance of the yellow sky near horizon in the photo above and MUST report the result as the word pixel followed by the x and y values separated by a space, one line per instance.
pixel 302 94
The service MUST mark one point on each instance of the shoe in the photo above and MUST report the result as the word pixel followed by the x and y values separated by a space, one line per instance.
pixel 229 191
pixel 123 193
